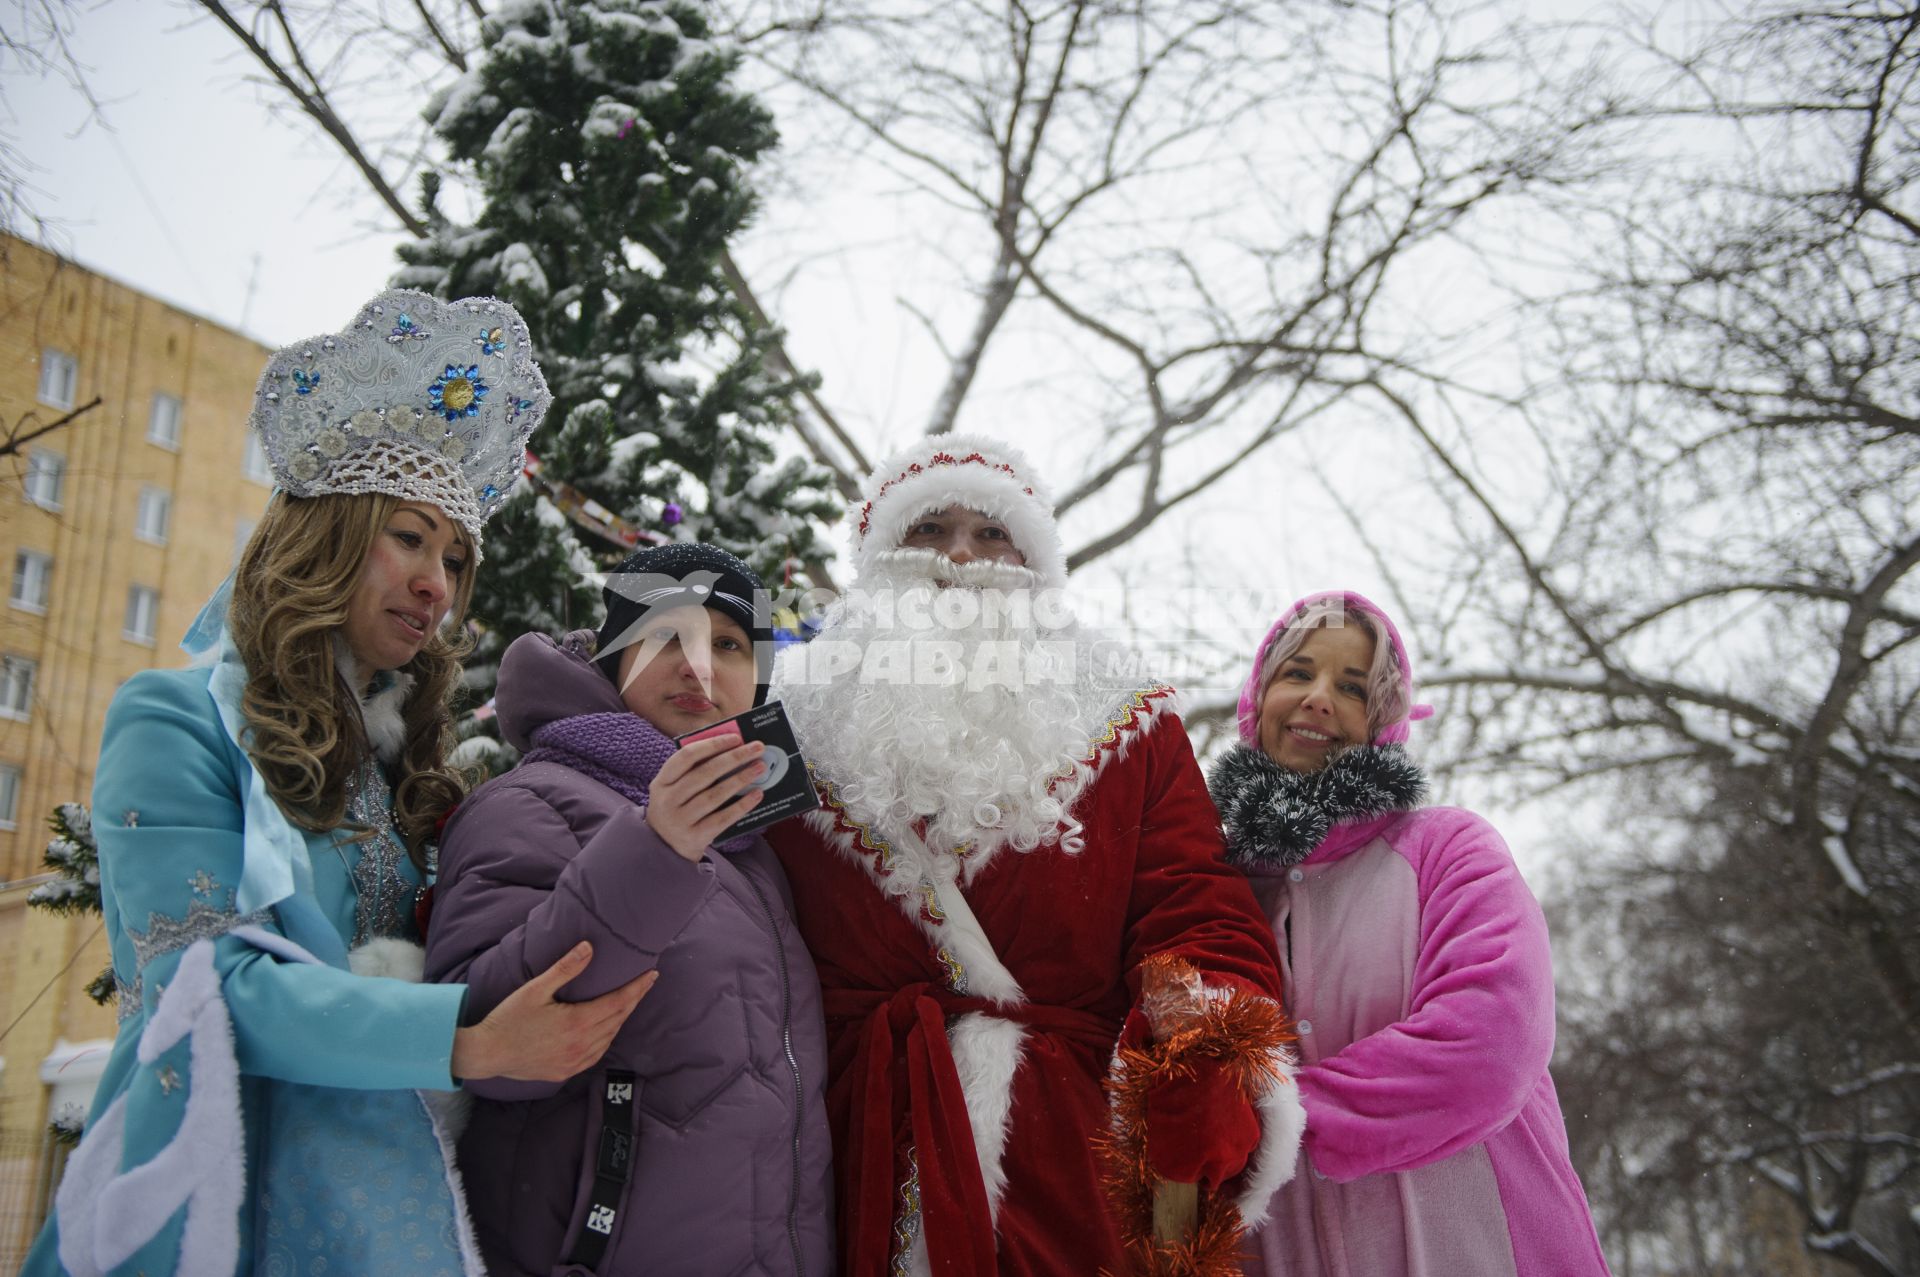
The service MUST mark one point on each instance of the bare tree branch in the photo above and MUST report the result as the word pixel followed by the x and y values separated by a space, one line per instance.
pixel 18 436
pixel 846 476
pixel 311 96
pixel 448 48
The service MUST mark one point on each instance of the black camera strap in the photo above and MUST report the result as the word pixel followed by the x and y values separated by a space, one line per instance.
pixel 612 1167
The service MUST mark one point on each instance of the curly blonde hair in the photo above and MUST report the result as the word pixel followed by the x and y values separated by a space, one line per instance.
pixel 304 730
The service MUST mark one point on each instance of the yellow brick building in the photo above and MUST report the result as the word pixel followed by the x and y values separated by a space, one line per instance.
pixel 114 529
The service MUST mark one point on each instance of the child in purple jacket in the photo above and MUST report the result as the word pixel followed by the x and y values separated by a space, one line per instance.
pixel 699 1143
pixel 1419 971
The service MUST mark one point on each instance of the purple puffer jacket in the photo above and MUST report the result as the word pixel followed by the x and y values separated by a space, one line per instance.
pixel 731 1171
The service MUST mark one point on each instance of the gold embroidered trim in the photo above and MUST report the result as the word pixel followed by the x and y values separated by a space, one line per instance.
pixel 1129 712
pixel 906 1227
pixel 955 970
pixel 879 848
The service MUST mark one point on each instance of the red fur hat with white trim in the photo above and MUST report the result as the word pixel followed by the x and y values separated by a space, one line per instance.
pixel 974 471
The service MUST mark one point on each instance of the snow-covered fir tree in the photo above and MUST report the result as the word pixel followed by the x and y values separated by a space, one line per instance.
pixel 74 857
pixel 607 153
pixel 67 1125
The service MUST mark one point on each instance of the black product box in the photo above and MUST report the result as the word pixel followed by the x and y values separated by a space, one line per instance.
pixel 788 785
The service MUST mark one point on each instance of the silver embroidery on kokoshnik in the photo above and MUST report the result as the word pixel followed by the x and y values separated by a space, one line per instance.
pixel 385 897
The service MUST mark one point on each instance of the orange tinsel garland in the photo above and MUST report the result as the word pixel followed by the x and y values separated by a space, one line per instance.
pixel 1247 1033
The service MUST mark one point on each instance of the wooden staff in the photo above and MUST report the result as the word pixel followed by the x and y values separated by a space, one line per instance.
pixel 1176 1211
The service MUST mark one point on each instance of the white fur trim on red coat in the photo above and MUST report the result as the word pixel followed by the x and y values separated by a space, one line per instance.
pixel 905 869
pixel 1136 714
pixel 986 1049
pixel 1283 1123
pixel 1000 484
pixel 986 1053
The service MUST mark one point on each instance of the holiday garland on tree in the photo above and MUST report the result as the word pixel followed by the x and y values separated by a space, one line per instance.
pixel 607 153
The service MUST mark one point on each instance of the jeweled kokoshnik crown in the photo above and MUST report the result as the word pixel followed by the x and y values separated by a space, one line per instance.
pixel 417 398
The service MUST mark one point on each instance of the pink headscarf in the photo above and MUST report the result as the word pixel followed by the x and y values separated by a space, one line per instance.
pixel 1394 733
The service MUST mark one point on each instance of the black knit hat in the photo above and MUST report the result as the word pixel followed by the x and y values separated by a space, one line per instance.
pixel 674 575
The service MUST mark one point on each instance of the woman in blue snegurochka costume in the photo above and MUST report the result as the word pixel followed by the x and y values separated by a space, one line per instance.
pixel 263 821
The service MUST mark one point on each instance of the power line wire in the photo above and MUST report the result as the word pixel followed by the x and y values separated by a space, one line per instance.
pixel 56 976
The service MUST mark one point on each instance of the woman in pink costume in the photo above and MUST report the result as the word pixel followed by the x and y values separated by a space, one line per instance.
pixel 1422 980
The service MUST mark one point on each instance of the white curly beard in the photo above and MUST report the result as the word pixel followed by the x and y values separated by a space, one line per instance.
pixel 976 757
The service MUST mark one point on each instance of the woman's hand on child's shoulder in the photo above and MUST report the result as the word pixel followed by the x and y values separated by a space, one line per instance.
pixel 689 804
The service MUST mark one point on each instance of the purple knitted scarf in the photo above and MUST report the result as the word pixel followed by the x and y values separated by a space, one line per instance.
pixel 624 752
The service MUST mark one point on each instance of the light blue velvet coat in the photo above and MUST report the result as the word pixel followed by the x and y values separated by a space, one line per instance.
pixel 345 1170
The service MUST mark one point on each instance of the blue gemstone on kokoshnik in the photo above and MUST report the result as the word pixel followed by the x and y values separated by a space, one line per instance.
pixel 457 392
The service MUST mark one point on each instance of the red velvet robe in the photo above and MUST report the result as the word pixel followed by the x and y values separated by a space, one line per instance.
pixel 981 1043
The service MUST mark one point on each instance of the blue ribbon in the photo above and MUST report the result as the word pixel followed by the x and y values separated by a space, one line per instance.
pixel 275 864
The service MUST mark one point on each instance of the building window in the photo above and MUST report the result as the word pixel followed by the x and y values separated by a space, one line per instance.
pixel 46 478
pixel 16 686
pixel 59 378
pixel 143 613
pixel 156 508
pixel 32 580
pixel 9 796
pixel 163 423
pixel 257 468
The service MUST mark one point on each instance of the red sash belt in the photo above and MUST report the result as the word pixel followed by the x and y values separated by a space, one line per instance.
pixel 901 1090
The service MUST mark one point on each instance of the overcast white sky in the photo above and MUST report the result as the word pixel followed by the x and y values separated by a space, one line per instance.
pixel 194 188
pixel 194 192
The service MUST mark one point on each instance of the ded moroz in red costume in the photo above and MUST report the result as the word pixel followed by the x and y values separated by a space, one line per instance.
pixel 1007 836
